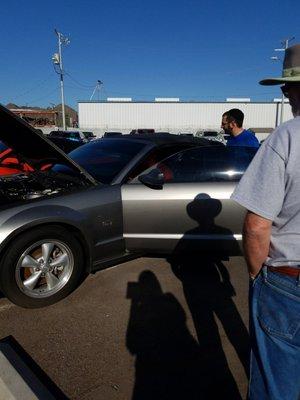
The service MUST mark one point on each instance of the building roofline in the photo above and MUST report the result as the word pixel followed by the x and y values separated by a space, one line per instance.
pixel 173 102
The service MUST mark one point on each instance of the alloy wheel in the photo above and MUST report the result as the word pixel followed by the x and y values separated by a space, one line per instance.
pixel 44 268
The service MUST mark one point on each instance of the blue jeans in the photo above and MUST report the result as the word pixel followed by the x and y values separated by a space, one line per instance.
pixel 275 337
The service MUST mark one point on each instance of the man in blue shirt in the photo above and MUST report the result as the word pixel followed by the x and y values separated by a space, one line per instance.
pixel 232 124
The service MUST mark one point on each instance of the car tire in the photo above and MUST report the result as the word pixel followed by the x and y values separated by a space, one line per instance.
pixel 41 267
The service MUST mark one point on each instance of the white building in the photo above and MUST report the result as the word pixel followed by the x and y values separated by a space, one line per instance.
pixel 174 116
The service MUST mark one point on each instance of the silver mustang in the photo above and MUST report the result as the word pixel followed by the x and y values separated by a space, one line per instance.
pixel 109 201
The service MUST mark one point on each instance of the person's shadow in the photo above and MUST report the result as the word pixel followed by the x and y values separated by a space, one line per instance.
pixel 167 356
pixel 208 292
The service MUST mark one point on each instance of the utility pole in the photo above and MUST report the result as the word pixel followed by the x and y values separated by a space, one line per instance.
pixel 97 87
pixel 285 45
pixel 57 60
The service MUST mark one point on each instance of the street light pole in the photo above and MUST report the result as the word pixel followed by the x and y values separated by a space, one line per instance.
pixel 97 87
pixel 57 59
pixel 285 44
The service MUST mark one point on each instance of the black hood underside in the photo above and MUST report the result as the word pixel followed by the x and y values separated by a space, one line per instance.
pixel 31 145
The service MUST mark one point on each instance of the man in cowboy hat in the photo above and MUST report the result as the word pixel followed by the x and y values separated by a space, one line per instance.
pixel 270 191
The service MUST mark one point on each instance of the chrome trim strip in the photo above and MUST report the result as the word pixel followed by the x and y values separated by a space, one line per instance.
pixel 110 240
pixel 180 236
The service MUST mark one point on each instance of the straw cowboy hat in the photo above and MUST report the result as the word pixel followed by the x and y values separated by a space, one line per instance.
pixel 291 68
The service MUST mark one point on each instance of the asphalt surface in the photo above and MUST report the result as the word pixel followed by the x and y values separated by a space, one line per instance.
pixel 143 330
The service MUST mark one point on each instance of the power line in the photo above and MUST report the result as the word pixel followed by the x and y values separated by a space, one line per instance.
pixel 32 89
pixel 45 95
pixel 77 88
pixel 78 83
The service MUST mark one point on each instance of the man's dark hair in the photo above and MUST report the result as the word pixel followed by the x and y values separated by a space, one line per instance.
pixel 235 115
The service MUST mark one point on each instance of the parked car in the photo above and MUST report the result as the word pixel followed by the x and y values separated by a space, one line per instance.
pixel 89 135
pixel 112 134
pixel 212 135
pixel 68 140
pixel 142 131
pixel 9 162
pixel 66 144
pixel 109 201
pixel 72 135
pixel 12 163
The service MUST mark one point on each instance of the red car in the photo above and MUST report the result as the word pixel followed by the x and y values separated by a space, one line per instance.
pixel 10 164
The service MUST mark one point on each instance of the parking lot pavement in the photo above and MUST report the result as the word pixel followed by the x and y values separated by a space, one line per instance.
pixel 143 330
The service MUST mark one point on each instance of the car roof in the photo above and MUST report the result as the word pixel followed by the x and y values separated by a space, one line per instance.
pixel 164 138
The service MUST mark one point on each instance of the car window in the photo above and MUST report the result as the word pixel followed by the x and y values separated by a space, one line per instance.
pixel 73 135
pixel 104 159
pixel 155 156
pixel 207 164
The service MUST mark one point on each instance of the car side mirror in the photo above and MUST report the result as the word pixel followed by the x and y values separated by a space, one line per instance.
pixel 153 179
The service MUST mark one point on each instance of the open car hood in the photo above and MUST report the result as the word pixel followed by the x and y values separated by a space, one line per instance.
pixel 31 145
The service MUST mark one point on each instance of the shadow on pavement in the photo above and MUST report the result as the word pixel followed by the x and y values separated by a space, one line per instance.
pixel 167 356
pixel 207 287
pixel 208 292
pixel 170 363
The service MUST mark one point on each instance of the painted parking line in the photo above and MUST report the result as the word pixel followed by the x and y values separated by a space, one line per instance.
pixel 21 378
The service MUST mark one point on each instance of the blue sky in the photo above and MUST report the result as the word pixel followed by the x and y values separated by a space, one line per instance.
pixel 201 50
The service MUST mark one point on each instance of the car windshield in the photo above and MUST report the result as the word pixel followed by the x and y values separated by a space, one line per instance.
pixel 103 159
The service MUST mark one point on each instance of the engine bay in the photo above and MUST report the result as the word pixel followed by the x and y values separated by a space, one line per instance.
pixel 30 186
